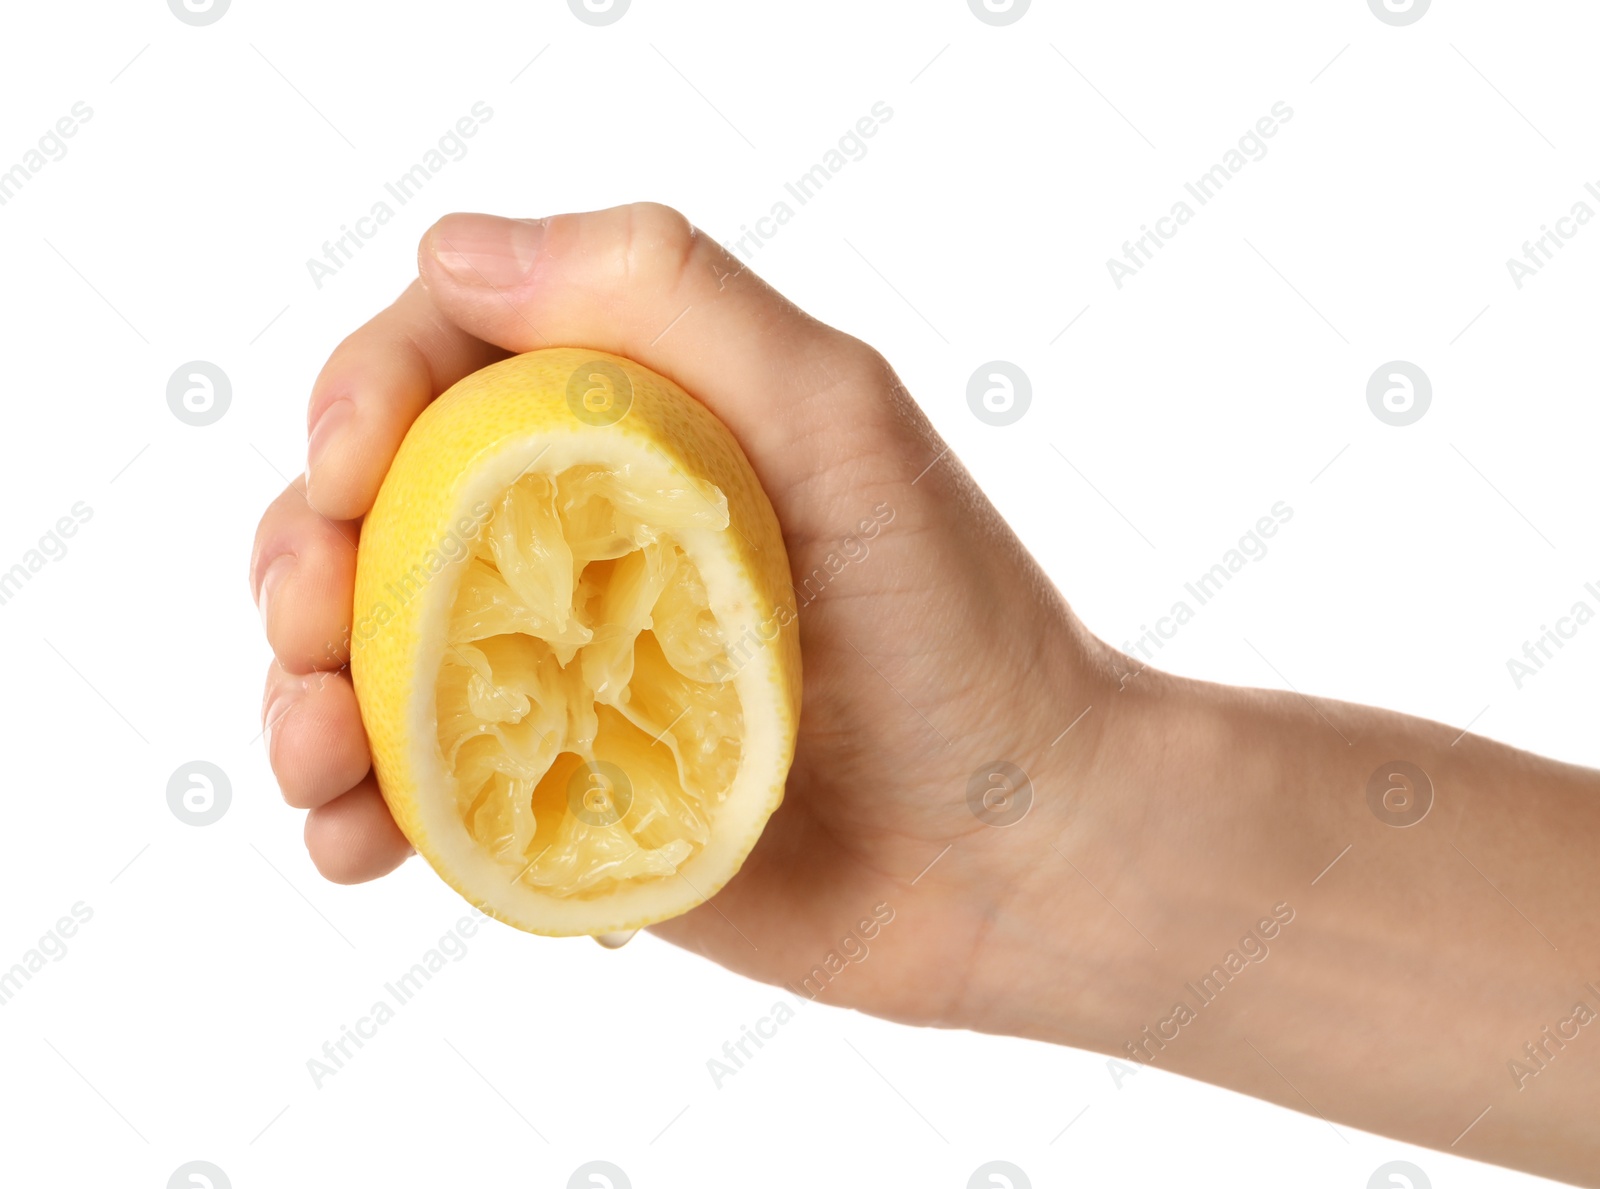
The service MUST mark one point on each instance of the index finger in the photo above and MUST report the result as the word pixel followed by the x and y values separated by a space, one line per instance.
pixel 369 392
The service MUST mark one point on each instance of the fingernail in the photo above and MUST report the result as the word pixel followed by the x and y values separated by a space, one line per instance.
pixel 276 571
pixel 483 251
pixel 324 429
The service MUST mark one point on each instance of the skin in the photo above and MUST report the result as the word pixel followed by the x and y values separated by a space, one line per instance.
pixel 1168 823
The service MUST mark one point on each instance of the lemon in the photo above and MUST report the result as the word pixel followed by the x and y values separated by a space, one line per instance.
pixel 574 644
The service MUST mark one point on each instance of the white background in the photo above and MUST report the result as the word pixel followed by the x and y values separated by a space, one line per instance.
pixel 1228 375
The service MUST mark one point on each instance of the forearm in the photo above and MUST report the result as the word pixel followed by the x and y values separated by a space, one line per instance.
pixel 1262 926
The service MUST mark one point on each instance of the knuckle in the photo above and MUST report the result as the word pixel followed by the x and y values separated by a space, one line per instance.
pixel 657 244
pixel 857 364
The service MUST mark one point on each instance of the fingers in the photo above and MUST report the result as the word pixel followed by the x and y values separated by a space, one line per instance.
pixel 319 755
pixel 371 390
pixel 315 740
pixel 302 573
pixel 640 281
pixel 353 838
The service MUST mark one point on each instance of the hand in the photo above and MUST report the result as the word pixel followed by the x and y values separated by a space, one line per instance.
pixel 932 643
pixel 1174 819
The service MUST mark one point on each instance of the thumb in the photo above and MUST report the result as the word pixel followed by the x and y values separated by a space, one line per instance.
pixel 641 281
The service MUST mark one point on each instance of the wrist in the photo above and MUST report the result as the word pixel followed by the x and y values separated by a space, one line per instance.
pixel 1169 832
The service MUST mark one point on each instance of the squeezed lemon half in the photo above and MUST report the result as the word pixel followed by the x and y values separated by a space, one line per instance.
pixel 574 644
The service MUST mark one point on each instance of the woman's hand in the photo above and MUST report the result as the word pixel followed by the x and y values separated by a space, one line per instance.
pixel 1401 976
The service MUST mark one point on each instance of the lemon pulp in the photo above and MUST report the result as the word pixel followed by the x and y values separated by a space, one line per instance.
pixel 585 705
